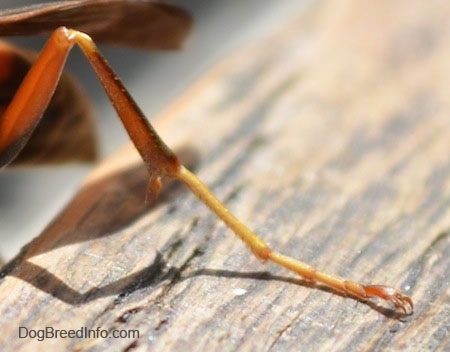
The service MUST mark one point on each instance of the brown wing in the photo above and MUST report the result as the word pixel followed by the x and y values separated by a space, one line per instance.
pixel 136 23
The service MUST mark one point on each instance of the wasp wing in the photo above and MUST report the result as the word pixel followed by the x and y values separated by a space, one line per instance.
pixel 135 23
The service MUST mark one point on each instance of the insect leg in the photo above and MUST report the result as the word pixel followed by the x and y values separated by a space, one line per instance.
pixel 262 251
pixel 32 98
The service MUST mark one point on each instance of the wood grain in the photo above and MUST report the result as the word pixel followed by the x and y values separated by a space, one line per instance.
pixel 330 138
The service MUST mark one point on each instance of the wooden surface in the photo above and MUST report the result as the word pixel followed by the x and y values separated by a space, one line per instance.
pixel 330 138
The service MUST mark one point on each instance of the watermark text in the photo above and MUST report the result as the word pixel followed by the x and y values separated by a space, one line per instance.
pixel 82 333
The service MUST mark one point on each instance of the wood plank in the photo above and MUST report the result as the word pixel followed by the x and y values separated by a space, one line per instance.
pixel 330 139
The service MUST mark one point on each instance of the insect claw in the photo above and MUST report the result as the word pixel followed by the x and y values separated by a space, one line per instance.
pixel 401 301
pixel 153 188
pixel 398 299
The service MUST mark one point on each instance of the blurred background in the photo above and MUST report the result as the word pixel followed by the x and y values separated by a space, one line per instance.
pixel 30 198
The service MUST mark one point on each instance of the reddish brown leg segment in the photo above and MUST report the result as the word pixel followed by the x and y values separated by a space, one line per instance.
pixel 33 97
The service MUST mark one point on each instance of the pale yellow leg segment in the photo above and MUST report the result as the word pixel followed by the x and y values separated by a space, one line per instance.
pixel 258 247
pixel 262 251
